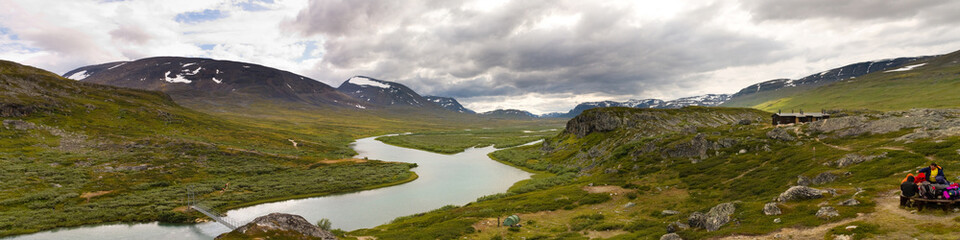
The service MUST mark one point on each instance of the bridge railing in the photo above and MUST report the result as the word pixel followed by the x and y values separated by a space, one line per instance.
pixel 194 204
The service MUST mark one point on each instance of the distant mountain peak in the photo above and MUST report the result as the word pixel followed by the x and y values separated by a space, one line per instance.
pixel 448 103
pixel 366 81
pixel 707 100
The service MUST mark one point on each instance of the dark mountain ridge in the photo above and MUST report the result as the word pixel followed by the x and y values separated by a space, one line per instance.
pixel 187 79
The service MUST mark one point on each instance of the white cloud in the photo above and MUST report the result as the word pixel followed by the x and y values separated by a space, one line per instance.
pixel 541 56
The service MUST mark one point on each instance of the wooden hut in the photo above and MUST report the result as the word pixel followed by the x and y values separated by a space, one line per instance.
pixel 802 117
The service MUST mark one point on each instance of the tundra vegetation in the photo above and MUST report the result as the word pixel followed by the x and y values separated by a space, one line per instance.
pixel 74 153
pixel 624 173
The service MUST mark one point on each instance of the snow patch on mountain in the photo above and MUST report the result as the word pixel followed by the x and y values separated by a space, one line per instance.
pixel 79 75
pixel 907 68
pixel 362 81
pixel 118 65
pixel 179 78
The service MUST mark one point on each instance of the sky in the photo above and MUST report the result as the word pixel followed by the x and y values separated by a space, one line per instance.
pixel 540 56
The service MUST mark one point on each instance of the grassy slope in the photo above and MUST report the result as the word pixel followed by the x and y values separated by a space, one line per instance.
pixel 455 141
pixel 88 154
pixel 933 85
pixel 656 182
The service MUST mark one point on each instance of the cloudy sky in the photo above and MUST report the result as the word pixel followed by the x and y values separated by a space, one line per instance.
pixel 540 56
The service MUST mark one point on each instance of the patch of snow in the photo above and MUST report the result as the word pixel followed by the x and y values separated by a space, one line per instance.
pixel 288 86
pixel 178 79
pixel 79 75
pixel 362 81
pixel 115 66
pixel 191 73
pixel 218 71
pixel 218 81
pixel 907 68
pixel 189 64
pixel 246 66
pixel 360 106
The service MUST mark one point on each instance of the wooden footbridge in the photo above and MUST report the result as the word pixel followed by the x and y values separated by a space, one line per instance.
pixel 195 204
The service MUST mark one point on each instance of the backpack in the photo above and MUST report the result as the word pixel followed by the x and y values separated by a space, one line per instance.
pixel 952 192
pixel 926 190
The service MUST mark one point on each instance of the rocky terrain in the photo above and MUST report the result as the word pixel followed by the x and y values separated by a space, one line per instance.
pixel 278 226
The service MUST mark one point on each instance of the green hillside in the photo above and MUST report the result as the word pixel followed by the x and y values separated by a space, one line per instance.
pixel 933 85
pixel 613 172
pixel 73 153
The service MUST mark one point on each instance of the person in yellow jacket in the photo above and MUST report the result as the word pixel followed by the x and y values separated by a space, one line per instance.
pixel 932 172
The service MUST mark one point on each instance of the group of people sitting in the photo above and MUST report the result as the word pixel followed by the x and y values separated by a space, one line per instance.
pixel 930 183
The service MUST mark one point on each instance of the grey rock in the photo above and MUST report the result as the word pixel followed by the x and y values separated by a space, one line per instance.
pixel 824 178
pixel 714 219
pixel 669 212
pixel 745 122
pixel 827 212
pixel 629 205
pixel 800 193
pixel 803 181
pixel 850 202
pixel 780 134
pixel 777 220
pixel 771 209
pixel 284 222
pixel 670 236
pixel 697 220
pixel 742 151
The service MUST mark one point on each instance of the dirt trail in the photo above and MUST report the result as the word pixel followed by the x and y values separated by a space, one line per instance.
pixel 745 173
pixel 834 146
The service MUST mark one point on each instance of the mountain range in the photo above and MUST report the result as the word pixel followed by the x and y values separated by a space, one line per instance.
pixel 208 80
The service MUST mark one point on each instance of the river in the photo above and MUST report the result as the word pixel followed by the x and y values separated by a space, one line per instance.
pixel 454 179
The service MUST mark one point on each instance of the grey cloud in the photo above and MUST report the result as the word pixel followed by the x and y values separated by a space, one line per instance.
pixel 486 56
pixel 845 9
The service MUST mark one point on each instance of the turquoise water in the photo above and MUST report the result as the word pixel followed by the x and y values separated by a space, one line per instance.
pixel 444 180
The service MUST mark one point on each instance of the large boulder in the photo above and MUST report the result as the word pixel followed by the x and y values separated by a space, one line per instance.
pixel 771 209
pixel 286 226
pixel 796 193
pixel 714 219
pixel 780 134
pixel 803 180
pixel 823 178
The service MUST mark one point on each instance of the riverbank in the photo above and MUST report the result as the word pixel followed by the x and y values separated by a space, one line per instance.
pixel 413 176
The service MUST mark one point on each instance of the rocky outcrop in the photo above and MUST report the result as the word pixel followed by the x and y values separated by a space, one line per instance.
pixel 651 122
pixel 714 219
pixel 824 178
pixel 771 209
pixel 928 123
pixel 826 212
pixel 698 147
pixel 853 158
pixel 780 134
pixel 797 193
pixel 282 223
pixel 15 110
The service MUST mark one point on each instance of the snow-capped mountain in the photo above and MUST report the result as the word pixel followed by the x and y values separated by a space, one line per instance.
pixel 708 100
pixel 448 103
pixel 211 80
pixel 373 91
pixel 837 74
pixel 509 114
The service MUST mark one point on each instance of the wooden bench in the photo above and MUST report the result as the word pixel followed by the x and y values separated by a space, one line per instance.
pixel 920 203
